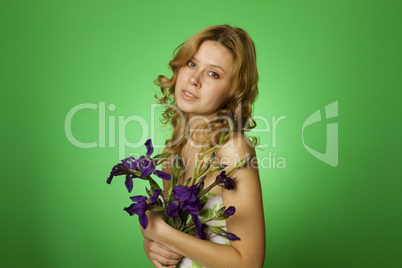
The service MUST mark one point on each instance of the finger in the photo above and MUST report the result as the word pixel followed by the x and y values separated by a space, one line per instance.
pixel 170 253
pixel 159 253
pixel 159 265
pixel 162 259
pixel 160 250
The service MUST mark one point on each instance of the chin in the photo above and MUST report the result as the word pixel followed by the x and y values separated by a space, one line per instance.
pixel 183 107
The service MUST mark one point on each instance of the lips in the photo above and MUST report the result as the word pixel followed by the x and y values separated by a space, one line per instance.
pixel 187 95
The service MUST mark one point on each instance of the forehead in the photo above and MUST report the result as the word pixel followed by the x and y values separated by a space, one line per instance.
pixel 213 53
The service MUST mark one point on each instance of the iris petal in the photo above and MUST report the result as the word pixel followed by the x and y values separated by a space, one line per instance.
pixel 172 210
pixel 129 183
pixel 143 221
pixel 138 198
pixel 155 196
pixel 150 148
pixel 163 175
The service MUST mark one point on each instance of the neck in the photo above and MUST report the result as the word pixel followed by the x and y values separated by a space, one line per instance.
pixel 196 123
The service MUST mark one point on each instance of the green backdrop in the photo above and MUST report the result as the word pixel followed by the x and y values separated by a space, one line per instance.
pixel 58 211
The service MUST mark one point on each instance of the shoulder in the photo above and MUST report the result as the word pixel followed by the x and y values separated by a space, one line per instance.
pixel 237 147
pixel 247 183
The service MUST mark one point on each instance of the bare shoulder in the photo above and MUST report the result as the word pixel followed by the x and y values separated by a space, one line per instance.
pixel 247 177
pixel 235 149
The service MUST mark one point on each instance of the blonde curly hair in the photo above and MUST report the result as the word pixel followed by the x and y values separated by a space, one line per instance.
pixel 243 91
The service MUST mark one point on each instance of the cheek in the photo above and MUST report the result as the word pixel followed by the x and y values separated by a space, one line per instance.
pixel 179 84
pixel 182 75
pixel 218 96
pixel 220 92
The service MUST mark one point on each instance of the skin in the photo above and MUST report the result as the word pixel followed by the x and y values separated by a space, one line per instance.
pixel 206 76
pixel 164 244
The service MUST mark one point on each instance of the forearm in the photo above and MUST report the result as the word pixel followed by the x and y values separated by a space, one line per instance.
pixel 206 253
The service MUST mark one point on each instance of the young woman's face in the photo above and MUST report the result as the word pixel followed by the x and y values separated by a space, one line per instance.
pixel 203 83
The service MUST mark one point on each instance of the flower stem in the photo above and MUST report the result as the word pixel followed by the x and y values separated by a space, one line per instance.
pixel 210 150
pixel 192 227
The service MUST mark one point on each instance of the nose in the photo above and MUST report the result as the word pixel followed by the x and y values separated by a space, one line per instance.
pixel 194 80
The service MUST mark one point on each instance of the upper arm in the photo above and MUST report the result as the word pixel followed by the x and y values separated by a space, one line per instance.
pixel 248 221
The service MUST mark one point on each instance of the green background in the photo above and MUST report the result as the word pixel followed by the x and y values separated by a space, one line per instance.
pixel 58 211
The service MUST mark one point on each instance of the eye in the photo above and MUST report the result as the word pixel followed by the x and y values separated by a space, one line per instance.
pixel 191 64
pixel 214 75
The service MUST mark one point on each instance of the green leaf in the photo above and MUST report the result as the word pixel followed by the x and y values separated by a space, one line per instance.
pixel 204 213
pixel 201 180
pixel 244 161
pixel 201 186
pixel 154 184
pixel 215 230
pixel 160 158
pixel 200 167
pixel 187 181
pixel 135 172
pixel 220 211
pixel 148 192
pixel 212 158
pixel 157 208
pixel 222 136
pixel 205 169
pixel 231 125
pixel 204 199
pixel 176 171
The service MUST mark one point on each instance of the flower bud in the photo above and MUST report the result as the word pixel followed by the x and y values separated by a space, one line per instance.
pixel 218 168
pixel 229 211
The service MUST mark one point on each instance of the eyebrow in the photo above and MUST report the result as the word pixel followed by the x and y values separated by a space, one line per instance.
pixel 213 65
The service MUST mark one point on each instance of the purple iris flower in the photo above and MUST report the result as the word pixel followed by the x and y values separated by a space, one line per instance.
pixel 139 208
pixel 185 194
pixel 199 228
pixel 147 165
pixel 172 210
pixel 155 196
pixel 144 166
pixel 193 208
pixel 224 181
pixel 130 163
pixel 187 197
pixel 123 169
pixel 120 169
pixel 141 205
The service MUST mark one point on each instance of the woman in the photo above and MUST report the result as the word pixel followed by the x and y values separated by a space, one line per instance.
pixel 214 73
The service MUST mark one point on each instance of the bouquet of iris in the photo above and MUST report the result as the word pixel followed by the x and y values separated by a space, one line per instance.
pixel 184 202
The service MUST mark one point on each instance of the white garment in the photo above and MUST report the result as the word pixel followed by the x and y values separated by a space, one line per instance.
pixel 213 204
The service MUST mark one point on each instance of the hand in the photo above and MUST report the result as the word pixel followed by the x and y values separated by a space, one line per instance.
pixel 157 253
pixel 160 255
pixel 155 226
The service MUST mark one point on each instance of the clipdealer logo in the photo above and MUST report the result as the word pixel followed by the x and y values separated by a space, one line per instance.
pixel 270 127
pixel 330 156
pixel 109 124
